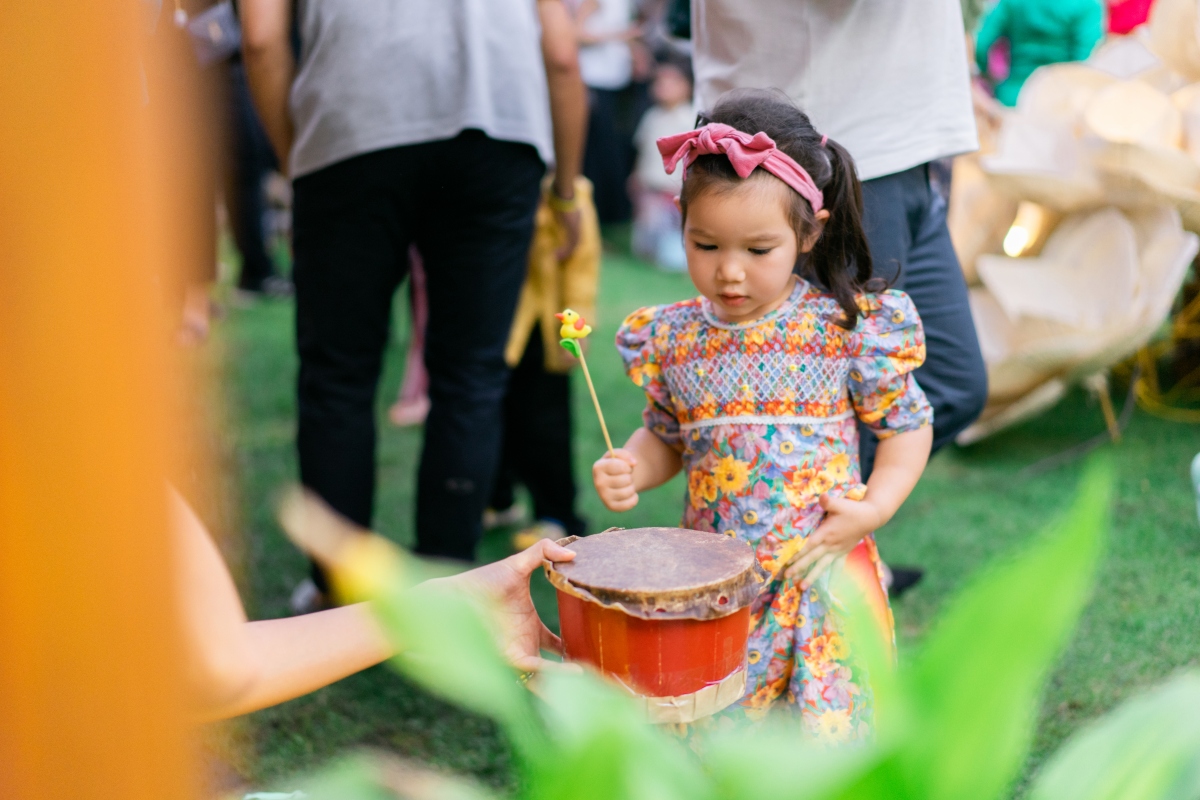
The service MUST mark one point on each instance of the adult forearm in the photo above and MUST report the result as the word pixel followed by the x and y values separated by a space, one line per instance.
pixel 568 95
pixel 294 656
pixel 899 462
pixel 270 70
pixel 657 462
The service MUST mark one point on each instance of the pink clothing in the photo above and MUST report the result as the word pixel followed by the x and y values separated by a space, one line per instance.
pixel 1125 15
pixel 745 152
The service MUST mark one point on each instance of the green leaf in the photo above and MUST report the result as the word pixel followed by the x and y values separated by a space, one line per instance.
pixel 777 760
pixel 976 684
pixel 1147 749
pixel 377 777
pixel 571 346
pixel 604 750
pixel 446 646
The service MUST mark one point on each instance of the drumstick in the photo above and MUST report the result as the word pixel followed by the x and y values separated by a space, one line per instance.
pixel 572 331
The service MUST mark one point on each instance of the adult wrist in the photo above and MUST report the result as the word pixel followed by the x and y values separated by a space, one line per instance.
pixel 560 202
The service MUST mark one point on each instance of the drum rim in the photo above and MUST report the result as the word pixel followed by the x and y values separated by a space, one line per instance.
pixel 706 601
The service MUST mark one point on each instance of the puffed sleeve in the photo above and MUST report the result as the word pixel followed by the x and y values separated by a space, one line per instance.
pixel 636 346
pixel 887 345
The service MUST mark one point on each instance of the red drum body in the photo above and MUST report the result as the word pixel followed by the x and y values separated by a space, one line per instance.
pixel 657 659
pixel 664 612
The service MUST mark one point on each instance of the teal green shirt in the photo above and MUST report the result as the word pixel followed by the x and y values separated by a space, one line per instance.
pixel 1039 32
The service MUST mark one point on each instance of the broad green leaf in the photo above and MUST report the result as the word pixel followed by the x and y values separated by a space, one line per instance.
pixel 368 777
pixel 777 760
pixel 1147 749
pixel 571 346
pixel 603 750
pixel 976 684
pixel 445 645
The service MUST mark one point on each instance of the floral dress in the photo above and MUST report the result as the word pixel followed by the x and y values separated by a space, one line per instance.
pixel 764 415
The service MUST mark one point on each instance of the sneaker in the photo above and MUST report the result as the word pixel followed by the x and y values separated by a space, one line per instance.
pixel 278 286
pixel 542 529
pixel 903 579
pixel 307 598
pixel 502 518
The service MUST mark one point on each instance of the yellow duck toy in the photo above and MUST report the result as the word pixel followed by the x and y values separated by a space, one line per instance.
pixel 573 326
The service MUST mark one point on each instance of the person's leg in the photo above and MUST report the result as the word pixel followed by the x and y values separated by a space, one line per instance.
pixel 502 504
pixel 953 376
pixel 538 436
pixel 905 223
pixel 605 162
pixel 252 160
pixel 412 401
pixel 473 227
pixel 350 245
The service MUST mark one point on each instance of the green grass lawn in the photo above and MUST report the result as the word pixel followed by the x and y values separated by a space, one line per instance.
pixel 972 506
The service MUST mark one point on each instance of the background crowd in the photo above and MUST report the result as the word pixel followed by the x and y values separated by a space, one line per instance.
pixel 488 181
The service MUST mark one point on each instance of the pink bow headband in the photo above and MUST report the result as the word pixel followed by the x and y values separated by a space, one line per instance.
pixel 745 152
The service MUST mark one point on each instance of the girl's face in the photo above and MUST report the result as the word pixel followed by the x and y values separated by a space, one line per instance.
pixel 741 247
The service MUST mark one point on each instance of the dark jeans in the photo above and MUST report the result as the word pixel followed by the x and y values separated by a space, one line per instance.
pixel 252 158
pixel 905 222
pixel 468 204
pixel 608 156
pixel 537 441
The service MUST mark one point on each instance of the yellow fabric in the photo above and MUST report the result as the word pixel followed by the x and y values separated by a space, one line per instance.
pixel 550 287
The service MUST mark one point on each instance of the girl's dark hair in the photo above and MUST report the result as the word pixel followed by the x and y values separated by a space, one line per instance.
pixel 841 260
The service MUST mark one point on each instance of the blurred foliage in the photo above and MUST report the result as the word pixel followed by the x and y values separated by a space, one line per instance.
pixel 956 724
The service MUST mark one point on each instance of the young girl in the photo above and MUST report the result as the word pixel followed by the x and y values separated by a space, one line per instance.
pixel 756 387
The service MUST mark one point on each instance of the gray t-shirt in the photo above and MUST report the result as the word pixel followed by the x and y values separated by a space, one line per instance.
pixel 887 79
pixel 382 73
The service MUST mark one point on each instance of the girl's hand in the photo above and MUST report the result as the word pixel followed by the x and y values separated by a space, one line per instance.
pixel 613 478
pixel 846 523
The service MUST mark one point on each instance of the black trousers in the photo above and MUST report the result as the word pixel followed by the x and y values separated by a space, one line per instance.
pixel 537 441
pixel 608 156
pixel 905 222
pixel 468 203
pixel 252 158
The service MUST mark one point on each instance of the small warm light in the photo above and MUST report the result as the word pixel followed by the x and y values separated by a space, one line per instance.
pixel 1026 232
pixel 1015 241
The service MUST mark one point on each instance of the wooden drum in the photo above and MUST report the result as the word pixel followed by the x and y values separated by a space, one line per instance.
pixel 663 611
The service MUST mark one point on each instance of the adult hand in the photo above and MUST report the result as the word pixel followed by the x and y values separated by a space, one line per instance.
pixel 569 222
pixel 612 475
pixel 505 585
pixel 846 523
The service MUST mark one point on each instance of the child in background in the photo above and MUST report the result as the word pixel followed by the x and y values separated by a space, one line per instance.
pixel 656 218
pixel 755 388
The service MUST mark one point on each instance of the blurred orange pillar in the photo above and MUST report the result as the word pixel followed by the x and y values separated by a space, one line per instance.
pixel 90 702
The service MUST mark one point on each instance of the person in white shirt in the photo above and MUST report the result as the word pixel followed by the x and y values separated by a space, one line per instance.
pixel 426 123
pixel 656 218
pixel 604 29
pixel 890 81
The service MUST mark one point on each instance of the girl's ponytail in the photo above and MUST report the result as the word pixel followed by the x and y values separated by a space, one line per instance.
pixel 841 259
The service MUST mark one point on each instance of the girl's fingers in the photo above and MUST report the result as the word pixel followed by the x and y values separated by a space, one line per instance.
pixel 815 540
pixel 613 467
pixel 624 455
pixel 624 505
pixel 818 570
pixel 805 561
pixel 619 491
pixel 550 641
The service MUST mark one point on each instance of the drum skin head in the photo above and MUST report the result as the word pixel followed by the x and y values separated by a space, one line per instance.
pixel 661 573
